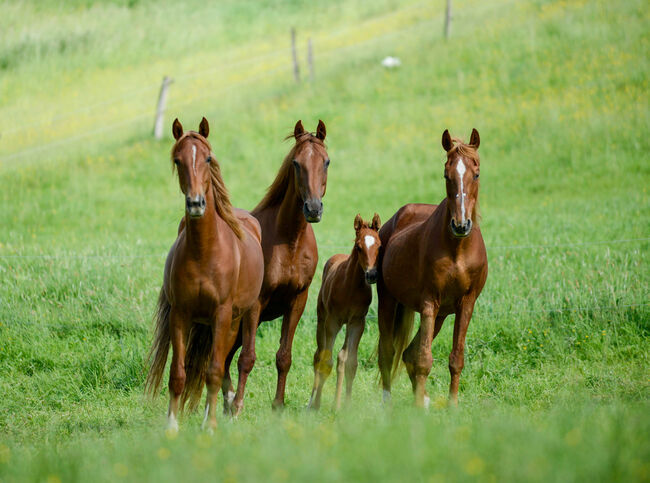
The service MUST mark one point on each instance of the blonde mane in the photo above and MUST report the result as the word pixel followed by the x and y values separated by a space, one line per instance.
pixel 222 203
pixel 277 190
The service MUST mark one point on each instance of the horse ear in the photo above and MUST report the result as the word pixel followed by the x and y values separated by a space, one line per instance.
pixel 177 129
pixel 204 128
pixel 298 130
pixel 321 132
pixel 358 222
pixel 376 222
pixel 474 139
pixel 447 144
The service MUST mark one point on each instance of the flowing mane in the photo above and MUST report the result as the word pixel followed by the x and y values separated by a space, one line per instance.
pixel 219 191
pixel 468 151
pixel 276 192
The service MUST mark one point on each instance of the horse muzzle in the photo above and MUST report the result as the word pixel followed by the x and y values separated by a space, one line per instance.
pixel 462 230
pixel 371 275
pixel 313 210
pixel 195 206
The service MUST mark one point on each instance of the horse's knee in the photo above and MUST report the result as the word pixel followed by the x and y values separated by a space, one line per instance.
pixel 177 383
pixel 283 361
pixel 456 363
pixel 214 375
pixel 246 363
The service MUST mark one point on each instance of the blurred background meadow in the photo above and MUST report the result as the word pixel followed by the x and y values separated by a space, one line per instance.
pixel 556 382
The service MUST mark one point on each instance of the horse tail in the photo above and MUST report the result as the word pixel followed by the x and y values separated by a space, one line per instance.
pixel 157 358
pixel 197 360
pixel 402 329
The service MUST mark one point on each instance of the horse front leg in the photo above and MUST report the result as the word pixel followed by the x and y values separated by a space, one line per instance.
pixel 353 333
pixel 179 328
pixel 464 311
pixel 247 356
pixel 226 385
pixel 283 356
pixel 221 342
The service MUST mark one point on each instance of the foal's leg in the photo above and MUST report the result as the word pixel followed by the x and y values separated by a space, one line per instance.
pixel 247 356
pixel 353 333
pixel 410 355
pixel 179 327
pixel 321 330
pixel 386 321
pixel 283 356
pixel 220 338
pixel 323 367
pixel 457 356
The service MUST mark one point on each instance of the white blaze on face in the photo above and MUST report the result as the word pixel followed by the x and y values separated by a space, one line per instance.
pixel 370 241
pixel 194 159
pixel 460 169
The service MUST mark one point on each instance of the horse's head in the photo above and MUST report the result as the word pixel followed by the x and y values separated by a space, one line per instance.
pixel 192 157
pixel 310 162
pixel 462 177
pixel 367 245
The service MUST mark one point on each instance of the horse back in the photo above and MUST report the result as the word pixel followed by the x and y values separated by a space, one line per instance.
pixel 407 216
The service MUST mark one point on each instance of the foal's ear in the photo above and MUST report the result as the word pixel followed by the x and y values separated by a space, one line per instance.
pixel 321 132
pixel 376 222
pixel 474 139
pixel 447 144
pixel 358 222
pixel 177 129
pixel 204 128
pixel 298 130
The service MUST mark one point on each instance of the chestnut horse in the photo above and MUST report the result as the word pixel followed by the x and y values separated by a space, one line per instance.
pixel 292 202
pixel 433 262
pixel 344 298
pixel 213 276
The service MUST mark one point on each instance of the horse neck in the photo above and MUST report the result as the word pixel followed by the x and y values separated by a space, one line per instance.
pixel 291 220
pixel 202 233
pixel 353 272
pixel 439 228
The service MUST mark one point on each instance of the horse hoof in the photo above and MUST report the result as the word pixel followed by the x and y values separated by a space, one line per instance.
pixel 277 406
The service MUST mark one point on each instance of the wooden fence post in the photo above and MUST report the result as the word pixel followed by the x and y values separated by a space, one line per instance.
pixel 160 109
pixel 296 69
pixel 310 59
pixel 448 20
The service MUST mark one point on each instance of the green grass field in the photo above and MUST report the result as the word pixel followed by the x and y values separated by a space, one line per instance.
pixel 556 382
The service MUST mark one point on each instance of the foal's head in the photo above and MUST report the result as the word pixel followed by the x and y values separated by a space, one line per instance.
pixel 310 163
pixel 192 157
pixel 367 245
pixel 462 177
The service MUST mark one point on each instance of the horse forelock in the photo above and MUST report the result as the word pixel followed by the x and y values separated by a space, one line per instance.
pixel 465 150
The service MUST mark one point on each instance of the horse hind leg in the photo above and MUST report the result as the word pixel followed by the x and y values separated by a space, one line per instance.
pixel 247 356
pixel 328 329
pixel 386 319
pixel 283 356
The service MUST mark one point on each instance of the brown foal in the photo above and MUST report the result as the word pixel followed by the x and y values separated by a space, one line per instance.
pixel 213 276
pixel 292 202
pixel 433 261
pixel 344 298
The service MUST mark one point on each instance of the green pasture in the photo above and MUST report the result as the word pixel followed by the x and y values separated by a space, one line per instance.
pixel 556 382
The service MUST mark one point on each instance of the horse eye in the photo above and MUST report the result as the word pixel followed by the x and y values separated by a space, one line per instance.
pixel 177 161
pixel 327 163
pixel 476 176
pixel 446 177
pixel 209 159
pixel 296 164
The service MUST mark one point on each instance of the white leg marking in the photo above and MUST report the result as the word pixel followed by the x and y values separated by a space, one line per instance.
pixel 205 416
pixel 427 401
pixel 231 397
pixel 311 399
pixel 370 241
pixel 386 396
pixel 172 423
pixel 194 159
pixel 460 169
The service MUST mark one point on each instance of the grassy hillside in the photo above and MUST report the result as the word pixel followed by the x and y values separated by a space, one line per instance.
pixel 556 380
